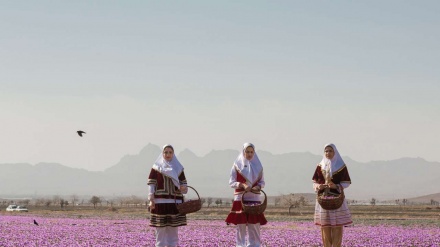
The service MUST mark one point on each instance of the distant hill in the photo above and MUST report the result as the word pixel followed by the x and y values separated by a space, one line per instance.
pixel 426 199
pixel 284 174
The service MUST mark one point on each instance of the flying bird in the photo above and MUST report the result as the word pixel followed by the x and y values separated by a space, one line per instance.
pixel 35 222
pixel 80 132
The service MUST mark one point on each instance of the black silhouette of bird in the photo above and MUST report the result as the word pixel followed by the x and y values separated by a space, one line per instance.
pixel 80 132
pixel 35 222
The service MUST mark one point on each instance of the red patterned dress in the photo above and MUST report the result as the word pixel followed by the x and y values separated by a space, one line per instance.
pixel 165 212
pixel 237 216
pixel 337 217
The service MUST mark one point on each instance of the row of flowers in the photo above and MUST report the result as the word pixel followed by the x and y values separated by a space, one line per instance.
pixel 21 231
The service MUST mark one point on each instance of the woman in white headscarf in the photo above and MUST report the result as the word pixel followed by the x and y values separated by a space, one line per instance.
pixel 331 173
pixel 246 175
pixel 166 182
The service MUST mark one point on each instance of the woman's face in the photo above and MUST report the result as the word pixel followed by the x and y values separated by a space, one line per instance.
pixel 168 154
pixel 329 152
pixel 249 153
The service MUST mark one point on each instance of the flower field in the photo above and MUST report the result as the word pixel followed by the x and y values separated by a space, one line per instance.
pixel 20 231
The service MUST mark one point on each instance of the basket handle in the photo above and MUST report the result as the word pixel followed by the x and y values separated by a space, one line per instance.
pixel 175 200
pixel 327 190
pixel 265 196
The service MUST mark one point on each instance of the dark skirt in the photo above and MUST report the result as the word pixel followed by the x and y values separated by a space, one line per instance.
pixel 166 214
pixel 237 216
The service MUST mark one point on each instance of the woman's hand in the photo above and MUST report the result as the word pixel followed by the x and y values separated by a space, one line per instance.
pixel 322 186
pixel 183 189
pixel 332 185
pixel 152 205
pixel 256 188
pixel 246 187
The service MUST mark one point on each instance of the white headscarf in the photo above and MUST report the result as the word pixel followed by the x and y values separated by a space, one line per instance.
pixel 335 164
pixel 250 169
pixel 171 169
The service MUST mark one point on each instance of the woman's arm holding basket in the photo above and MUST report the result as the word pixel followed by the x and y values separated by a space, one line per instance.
pixel 183 184
pixel 234 183
pixel 233 180
pixel 260 185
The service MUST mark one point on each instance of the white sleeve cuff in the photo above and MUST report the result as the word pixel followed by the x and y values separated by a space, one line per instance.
pixel 151 190
pixel 345 185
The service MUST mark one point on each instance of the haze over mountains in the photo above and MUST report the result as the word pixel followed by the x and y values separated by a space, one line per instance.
pixel 284 174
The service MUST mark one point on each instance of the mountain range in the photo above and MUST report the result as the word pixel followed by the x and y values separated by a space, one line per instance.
pixel 284 174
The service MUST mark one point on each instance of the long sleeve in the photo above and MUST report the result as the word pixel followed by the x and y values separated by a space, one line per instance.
pixel 182 179
pixel 315 187
pixel 261 183
pixel 161 188
pixel 151 190
pixel 183 183
pixel 233 179
pixel 344 185
pixel 152 178
pixel 152 182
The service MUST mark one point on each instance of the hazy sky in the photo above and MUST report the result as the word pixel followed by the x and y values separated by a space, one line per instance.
pixel 288 76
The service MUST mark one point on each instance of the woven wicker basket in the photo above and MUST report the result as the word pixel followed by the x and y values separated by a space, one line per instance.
pixel 330 202
pixel 189 206
pixel 254 209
